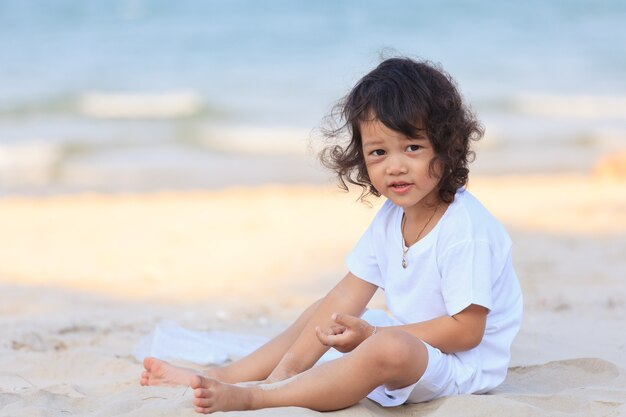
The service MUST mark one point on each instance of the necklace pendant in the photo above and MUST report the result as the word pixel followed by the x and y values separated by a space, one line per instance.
pixel 404 264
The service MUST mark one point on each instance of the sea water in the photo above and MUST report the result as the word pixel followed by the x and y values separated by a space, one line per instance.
pixel 131 94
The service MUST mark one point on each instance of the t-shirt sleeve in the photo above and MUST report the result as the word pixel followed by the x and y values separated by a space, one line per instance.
pixel 361 260
pixel 467 270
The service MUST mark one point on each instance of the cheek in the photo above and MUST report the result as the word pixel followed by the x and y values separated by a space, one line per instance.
pixel 371 170
pixel 374 176
pixel 437 169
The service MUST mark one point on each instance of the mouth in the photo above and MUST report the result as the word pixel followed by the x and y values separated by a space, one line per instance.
pixel 400 187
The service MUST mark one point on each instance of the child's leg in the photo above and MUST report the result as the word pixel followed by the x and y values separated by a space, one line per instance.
pixel 259 364
pixel 255 367
pixel 394 358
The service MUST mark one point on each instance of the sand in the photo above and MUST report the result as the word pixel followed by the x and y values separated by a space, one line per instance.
pixel 84 277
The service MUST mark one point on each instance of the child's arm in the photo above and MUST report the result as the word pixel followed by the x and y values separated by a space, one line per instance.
pixel 450 334
pixel 350 297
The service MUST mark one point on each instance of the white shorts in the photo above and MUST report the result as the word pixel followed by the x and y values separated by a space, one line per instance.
pixel 444 376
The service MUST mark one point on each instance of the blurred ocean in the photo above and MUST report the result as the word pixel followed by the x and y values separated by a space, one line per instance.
pixel 111 95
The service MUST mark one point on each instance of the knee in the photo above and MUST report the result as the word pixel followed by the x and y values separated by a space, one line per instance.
pixel 394 349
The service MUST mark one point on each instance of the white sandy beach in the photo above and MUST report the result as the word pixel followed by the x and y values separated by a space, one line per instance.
pixel 83 278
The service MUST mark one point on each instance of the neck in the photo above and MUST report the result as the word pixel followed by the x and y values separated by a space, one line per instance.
pixel 423 210
pixel 420 219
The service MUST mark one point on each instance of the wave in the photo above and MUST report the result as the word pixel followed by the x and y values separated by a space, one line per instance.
pixel 256 140
pixel 571 106
pixel 33 162
pixel 136 106
pixel 120 105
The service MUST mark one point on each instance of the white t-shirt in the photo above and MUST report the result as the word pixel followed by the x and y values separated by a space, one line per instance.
pixel 464 260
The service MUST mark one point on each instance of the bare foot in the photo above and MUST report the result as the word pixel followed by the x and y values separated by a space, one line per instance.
pixel 210 395
pixel 159 372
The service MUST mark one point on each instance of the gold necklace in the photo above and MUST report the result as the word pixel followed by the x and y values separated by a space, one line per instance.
pixel 405 248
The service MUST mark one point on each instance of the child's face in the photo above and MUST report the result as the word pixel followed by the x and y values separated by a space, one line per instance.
pixel 398 166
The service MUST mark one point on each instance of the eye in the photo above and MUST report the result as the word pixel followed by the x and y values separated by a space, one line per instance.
pixel 413 148
pixel 377 152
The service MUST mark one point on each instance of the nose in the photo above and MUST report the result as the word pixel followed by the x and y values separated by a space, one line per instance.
pixel 396 165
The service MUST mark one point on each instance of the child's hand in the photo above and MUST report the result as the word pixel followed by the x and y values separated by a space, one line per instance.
pixel 348 332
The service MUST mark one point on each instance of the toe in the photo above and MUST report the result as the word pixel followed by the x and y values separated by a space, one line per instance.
pixel 148 362
pixel 198 381
pixel 195 381
pixel 202 393
pixel 202 402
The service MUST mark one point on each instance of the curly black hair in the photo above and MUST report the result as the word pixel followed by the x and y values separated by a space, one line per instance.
pixel 409 97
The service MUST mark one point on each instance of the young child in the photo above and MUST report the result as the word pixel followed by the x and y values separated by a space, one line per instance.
pixel 442 260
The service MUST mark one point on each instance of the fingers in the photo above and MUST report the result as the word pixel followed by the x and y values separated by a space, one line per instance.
pixel 337 335
pixel 336 329
pixel 329 337
pixel 346 320
pixel 322 336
